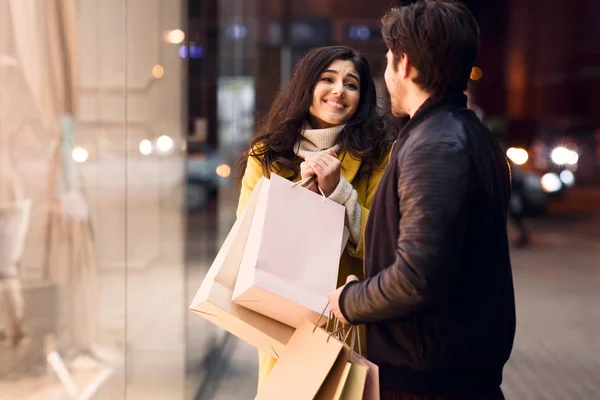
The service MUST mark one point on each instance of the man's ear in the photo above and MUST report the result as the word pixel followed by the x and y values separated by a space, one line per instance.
pixel 408 70
pixel 404 66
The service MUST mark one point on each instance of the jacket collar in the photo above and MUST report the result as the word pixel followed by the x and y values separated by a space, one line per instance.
pixel 350 166
pixel 435 103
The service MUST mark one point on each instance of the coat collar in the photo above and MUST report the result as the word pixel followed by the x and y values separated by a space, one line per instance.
pixel 435 103
pixel 350 166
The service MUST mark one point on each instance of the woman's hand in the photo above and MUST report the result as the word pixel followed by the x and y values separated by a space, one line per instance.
pixel 327 167
pixel 306 171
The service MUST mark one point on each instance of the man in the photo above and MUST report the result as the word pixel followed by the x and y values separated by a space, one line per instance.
pixel 438 298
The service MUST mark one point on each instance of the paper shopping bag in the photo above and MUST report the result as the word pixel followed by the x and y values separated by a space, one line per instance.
pixel 213 299
pixel 354 386
pixel 337 395
pixel 307 363
pixel 291 259
pixel 336 379
pixel 362 380
pixel 371 379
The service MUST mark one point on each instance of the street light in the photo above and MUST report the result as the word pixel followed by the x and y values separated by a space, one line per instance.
pixel 79 154
pixel 164 144
pixel 175 36
pixel 517 155
pixel 145 147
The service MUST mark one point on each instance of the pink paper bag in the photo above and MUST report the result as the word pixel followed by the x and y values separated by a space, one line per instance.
pixel 291 259
pixel 213 299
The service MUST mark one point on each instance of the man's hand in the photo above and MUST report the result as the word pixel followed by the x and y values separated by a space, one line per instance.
pixel 334 300
pixel 328 168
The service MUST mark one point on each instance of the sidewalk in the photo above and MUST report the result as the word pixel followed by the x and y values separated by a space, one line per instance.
pixel 557 351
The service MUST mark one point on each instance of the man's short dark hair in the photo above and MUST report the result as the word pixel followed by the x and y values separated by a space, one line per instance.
pixel 440 38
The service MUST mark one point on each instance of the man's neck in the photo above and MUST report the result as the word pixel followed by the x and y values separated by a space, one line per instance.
pixel 416 98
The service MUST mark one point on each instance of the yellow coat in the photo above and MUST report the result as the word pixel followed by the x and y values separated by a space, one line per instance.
pixel 365 183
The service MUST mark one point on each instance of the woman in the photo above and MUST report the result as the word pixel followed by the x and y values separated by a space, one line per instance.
pixel 325 123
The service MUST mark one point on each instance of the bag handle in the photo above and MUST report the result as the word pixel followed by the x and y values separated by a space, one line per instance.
pixel 321 316
pixel 356 338
pixel 336 322
pixel 308 183
pixel 337 332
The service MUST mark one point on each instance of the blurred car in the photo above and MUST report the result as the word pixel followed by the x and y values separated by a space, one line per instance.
pixel 573 153
pixel 576 149
pixel 207 170
pixel 533 188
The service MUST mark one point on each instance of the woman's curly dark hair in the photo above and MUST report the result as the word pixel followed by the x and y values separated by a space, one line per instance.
pixel 364 136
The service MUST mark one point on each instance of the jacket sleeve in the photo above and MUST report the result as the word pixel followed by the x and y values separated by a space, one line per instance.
pixel 432 190
pixel 252 175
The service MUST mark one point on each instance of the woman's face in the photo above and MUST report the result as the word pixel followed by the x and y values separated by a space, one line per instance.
pixel 336 95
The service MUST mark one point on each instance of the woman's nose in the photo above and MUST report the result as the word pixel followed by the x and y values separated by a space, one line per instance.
pixel 338 89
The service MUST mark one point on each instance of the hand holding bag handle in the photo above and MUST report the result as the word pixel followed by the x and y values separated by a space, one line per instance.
pixel 308 183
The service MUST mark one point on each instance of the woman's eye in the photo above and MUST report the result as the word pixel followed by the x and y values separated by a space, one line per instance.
pixel 326 79
pixel 352 86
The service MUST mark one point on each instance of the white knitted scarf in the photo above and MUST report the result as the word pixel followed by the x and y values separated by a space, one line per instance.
pixel 315 141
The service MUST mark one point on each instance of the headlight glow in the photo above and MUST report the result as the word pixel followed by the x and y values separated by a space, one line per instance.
pixel 561 156
pixel 567 178
pixel 551 182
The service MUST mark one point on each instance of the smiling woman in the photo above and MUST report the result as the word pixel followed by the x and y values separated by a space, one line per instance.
pixel 336 95
pixel 324 74
pixel 325 124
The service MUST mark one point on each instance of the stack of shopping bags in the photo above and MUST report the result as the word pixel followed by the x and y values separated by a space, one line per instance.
pixel 318 364
pixel 270 281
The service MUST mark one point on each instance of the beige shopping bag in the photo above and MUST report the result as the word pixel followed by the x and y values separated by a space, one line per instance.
pixel 371 382
pixel 354 385
pixel 311 366
pixel 213 299
pixel 362 380
pixel 291 259
pixel 336 379
pixel 337 395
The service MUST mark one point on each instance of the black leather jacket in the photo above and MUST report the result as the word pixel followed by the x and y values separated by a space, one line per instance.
pixel 438 297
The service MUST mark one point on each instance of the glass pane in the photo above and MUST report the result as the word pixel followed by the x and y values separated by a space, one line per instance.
pixel 92 207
